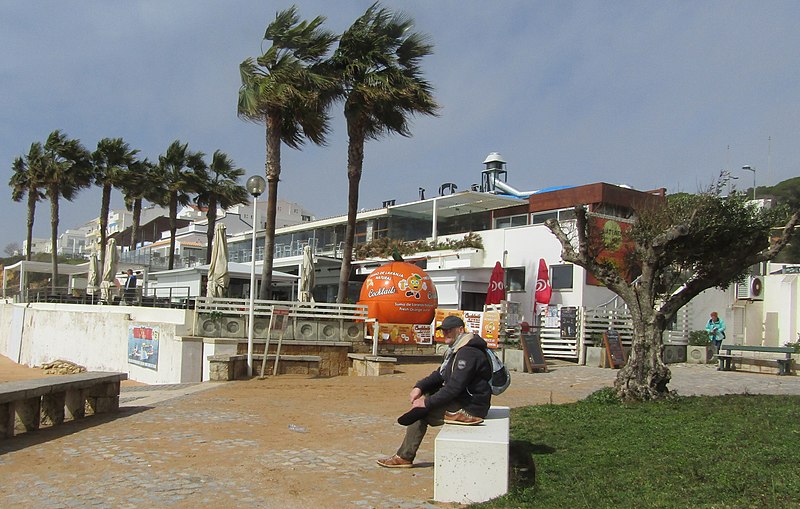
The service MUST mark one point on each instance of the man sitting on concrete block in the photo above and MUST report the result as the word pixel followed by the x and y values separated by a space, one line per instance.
pixel 456 393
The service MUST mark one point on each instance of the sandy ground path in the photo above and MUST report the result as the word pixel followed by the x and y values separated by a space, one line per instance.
pixel 230 444
pixel 226 444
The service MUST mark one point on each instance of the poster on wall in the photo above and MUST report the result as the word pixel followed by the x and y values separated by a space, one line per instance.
pixel 403 333
pixel 490 328
pixel 143 345
pixel 551 318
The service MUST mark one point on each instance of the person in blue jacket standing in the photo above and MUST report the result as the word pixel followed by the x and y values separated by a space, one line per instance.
pixel 715 328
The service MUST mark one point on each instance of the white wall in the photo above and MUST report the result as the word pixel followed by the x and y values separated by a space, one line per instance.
pixel 96 337
pixel 781 308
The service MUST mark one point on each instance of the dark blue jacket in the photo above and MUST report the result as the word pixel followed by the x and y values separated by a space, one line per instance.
pixel 464 379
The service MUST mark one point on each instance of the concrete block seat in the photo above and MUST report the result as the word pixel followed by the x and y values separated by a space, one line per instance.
pixel 27 404
pixel 471 462
pixel 371 365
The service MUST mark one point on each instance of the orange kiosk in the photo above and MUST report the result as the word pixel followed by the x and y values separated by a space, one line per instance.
pixel 402 297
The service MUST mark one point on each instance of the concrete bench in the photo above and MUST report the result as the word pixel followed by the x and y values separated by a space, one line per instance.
pixel 371 365
pixel 28 404
pixel 471 462
pixel 784 362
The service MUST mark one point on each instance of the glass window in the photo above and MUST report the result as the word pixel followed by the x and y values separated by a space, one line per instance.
pixel 561 276
pixel 509 221
pixel 515 279
pixel 541 217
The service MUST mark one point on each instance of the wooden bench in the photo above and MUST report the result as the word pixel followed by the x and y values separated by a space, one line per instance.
pixel 471 462
pixel 52 400
pixel 784 363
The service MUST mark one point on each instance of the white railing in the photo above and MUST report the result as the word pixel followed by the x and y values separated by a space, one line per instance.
pixel 313 321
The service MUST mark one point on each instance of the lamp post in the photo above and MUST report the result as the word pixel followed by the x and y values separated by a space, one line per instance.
pixel 255 186
pixel 747 167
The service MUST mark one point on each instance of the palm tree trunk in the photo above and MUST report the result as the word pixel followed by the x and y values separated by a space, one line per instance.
pixel 104 206
pixel 54 192
pixel 273 171
pixel 137 217
pixel 211 215
pixel 355 162
pixel 31 216
pixel 173 227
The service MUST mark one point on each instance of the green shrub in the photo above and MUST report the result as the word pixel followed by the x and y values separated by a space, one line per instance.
pixel 604 396
pixel 699 338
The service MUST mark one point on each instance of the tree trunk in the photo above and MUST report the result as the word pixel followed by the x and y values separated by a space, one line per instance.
pixel 211 215
pixel 31 216
pixel 173 227
pixel 104 206
pixel 137 217
pixel 644 376
pixel 273 172
pixel 355 162
pixel 54 237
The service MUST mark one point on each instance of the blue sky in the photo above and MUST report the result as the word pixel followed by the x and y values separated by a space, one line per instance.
pixel 648 94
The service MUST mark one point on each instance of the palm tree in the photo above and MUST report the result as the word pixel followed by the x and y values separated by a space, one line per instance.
pixel 219 187
pixel 180 169
pixel 285 90
pixel 66 170
pixel 142 182
pixel 26 180
pixel 377 64
pixel 111 160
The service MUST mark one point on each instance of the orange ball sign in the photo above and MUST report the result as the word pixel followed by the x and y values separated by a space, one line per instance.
pixel 400 292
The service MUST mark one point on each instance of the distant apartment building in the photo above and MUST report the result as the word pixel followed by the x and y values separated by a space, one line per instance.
pixel 38 246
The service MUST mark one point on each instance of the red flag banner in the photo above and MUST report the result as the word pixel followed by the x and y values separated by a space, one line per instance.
pixel 543 289
pixel 497 285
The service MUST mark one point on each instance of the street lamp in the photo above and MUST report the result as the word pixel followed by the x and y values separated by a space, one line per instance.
pixel 747 167
pixel 255 186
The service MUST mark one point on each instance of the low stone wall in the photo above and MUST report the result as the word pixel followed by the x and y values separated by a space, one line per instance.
pixel 333 355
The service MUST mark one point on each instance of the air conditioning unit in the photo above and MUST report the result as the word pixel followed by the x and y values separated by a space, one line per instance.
pixel 751 288
pixel 233 327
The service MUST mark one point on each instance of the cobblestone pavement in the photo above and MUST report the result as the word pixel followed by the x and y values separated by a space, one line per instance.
pixel 284 442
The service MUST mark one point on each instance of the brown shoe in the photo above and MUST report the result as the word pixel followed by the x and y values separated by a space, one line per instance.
pixel 461 417
pixel 395 462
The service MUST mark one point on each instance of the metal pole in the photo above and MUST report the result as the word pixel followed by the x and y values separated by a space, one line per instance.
pixel 747 167
pixel 252 292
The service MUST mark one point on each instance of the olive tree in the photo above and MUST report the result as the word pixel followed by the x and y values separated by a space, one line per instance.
pixel 674 250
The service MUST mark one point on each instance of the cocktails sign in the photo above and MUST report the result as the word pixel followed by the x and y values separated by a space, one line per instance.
pixel 399 292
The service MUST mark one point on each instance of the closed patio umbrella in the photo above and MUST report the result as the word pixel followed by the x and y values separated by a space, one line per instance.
pixel 307 276
pixel 218 275
pixel 93 279
pixel 109 271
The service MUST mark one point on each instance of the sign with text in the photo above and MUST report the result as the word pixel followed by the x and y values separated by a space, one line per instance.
pixel 280 319
pixel 614 350
pixel 403 333
pixel 143 345
pixel 532 350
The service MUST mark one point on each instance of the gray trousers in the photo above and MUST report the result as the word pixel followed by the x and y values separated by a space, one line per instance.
pixel 416 432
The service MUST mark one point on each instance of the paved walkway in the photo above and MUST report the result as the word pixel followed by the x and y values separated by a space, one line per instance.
pixel 231 444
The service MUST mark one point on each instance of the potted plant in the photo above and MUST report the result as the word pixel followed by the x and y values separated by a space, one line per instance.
pixel 700 350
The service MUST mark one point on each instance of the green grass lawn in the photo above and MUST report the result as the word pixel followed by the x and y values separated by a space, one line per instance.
pixel 708 452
